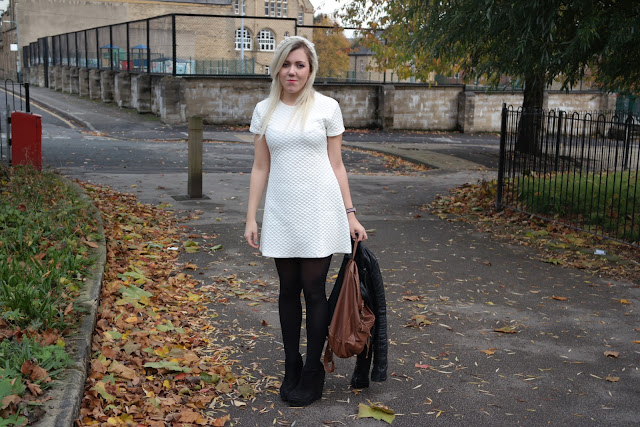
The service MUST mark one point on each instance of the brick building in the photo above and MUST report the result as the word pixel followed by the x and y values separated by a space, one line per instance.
pixel 266 23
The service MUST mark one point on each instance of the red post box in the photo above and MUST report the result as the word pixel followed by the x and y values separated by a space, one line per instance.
pixel 26 139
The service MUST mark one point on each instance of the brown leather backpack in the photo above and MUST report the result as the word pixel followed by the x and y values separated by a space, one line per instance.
pixel 350 328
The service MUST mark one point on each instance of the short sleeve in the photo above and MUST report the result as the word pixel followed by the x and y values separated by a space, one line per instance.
pixel 256 120
pixel 334 123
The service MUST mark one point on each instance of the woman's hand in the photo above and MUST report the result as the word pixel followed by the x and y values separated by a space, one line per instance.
pixel 251 234
pixel 358 233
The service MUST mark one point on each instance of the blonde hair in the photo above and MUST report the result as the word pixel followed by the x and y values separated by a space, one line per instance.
pixel 305 100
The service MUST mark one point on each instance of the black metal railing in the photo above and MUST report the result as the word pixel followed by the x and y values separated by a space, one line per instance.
pixel 580 169
pixel 192 45
pixel 16 98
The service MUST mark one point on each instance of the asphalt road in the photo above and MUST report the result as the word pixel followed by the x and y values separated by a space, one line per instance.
pixel 551 371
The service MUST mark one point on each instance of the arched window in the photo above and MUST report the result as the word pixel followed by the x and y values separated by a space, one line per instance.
pixel 243 33
pixel 266 40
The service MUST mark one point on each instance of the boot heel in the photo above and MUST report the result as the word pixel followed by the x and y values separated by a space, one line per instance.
pixel 292 373
pixel 309 389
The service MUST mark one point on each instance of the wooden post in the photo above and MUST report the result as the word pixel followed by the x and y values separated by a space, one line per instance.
pixel 194 185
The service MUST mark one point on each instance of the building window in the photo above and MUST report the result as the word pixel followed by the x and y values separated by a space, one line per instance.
pixel 266 40
pixel 301 18
pixel 277 8
pixel 267 69
pixel 236 6
pixel 286 33
pixel 362 66
pixel 242 33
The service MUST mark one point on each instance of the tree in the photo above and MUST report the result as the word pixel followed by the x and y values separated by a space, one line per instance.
pixel 538 41
pixel 332 48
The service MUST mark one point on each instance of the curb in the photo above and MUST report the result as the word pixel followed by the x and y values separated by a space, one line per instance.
pixel 46 106
pixel 68 392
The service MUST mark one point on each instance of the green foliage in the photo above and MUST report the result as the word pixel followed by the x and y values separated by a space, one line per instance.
pixel 42 227
pixel 608 202
pixel 13 354
pixel 536 40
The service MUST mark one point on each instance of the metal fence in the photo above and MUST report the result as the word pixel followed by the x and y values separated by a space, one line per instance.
pixel 16 98
pixel 580 169
pixel 200 45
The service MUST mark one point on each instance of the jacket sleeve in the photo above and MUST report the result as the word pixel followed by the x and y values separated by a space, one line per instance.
pixel 373 293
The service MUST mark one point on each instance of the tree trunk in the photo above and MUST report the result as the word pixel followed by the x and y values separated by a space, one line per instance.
pixel 530 127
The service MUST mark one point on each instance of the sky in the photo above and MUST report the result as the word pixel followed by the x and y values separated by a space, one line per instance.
pixel 322 6
pixel 326 6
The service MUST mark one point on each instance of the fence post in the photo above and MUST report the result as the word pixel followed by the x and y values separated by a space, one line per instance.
pixel 558 138
pixel 627 139
pixel 148 47
pixel 501 161
pixel 173 42
pixel 194 184
pixel 26 98
pixel 128 49
pixel 45 59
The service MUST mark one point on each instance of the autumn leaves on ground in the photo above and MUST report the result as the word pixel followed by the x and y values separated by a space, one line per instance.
pixel 151 360
pixel 156 359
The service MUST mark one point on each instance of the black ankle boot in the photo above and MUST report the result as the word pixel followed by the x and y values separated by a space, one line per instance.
pixel 309 389
pixel 360 377
pixel 292 371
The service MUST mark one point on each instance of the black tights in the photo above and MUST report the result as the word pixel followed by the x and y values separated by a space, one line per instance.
pixel 308 275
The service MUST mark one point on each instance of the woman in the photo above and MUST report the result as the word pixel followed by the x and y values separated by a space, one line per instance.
pixel 308 214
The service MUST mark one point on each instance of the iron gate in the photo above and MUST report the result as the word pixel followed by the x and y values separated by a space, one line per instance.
pixel 16 98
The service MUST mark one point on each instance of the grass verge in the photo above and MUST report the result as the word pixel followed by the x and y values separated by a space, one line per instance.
pixel 608 203
pixel 46 237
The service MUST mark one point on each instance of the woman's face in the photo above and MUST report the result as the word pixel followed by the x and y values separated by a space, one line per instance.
pixel 294 74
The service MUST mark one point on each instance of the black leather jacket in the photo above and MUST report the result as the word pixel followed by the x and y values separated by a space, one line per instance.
pixel 372 289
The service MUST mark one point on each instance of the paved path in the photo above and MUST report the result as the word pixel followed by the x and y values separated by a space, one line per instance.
pixel 552 371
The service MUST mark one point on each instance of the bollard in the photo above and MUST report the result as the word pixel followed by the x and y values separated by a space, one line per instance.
pixel 194 185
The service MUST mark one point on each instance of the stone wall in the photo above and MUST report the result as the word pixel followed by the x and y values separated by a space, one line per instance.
pixel 230 101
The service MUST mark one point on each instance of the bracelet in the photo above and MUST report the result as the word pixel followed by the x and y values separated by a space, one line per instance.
pixel 349 210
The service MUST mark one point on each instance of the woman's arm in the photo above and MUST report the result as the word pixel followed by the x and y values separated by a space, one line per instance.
pixel 257 183
pixel 335 157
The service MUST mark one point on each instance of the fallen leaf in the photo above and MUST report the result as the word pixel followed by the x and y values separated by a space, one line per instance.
pixel 8 400
pixel 220 422
pixel 506 330
pixel 612 379
pixel 559 298
pixel 34 389
pixel 624 301
pixel 34 372
pixel 191 247
pixel 611 353
pixel 490 351
pixel 419 320
pixel 422 366
pixel 379 412
pixel 189 416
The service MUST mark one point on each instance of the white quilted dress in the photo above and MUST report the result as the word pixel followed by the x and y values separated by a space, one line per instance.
pixel 304 214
